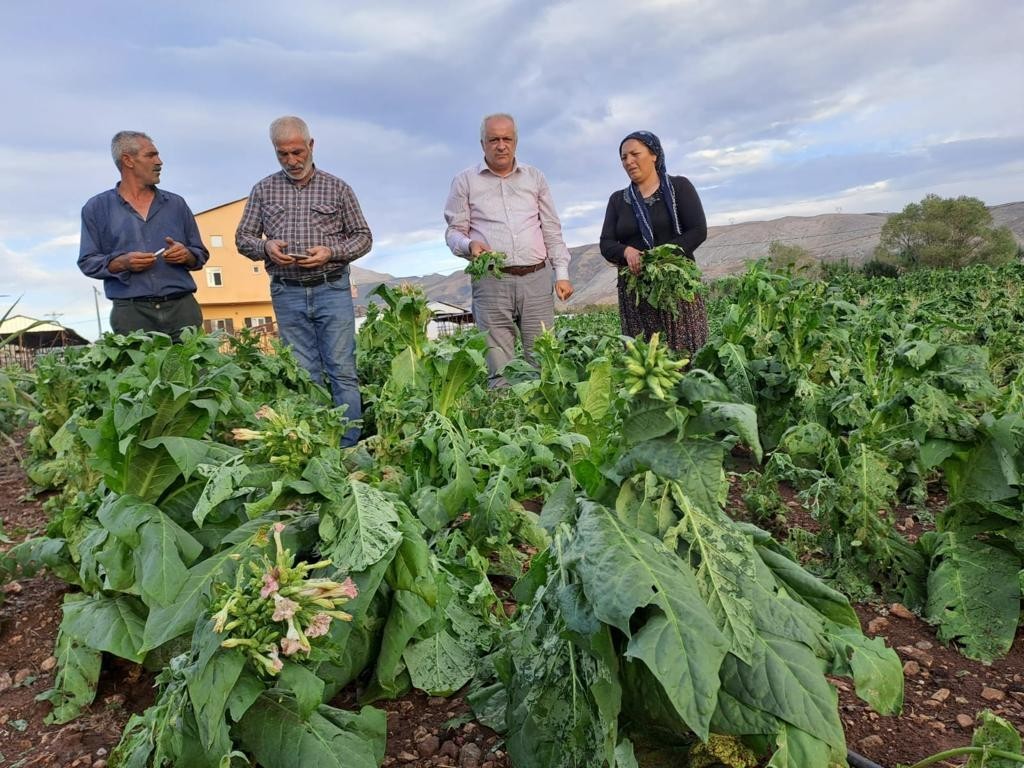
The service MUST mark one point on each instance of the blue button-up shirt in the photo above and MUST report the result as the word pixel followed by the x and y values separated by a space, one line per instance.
pixel 111 227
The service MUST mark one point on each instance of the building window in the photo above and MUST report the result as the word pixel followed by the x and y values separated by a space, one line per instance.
pixel 224 324
pixel 214 278
pixel 255 269
pixel 256 322
pixel 216 241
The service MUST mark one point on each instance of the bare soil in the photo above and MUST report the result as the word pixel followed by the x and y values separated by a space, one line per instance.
pixel 944 691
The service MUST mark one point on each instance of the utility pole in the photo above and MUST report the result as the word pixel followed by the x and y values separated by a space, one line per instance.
pixel 96 299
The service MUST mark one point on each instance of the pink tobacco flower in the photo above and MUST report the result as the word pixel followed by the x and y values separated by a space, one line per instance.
pixel 319 626
pixel 349 589
pixel 284 608
pixel 295 639
pixel 289 646
pixel 265 413
pixel 270 585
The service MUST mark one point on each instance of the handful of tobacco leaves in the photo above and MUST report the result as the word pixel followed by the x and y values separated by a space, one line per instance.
pixel 667 277
pixel 488 262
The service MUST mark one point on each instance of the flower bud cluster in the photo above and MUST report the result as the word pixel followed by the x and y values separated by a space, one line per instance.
pixel 275 608
pixel 285 440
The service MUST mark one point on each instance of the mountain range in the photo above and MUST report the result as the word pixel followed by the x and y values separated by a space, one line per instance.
pixel 828 237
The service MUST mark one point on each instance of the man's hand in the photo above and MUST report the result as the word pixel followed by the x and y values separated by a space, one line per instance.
pixel 133 261
pixel 275 250
pixel 177 253
pixel 563 289
pixel 476 247
pixel 634 259
pixel 316 256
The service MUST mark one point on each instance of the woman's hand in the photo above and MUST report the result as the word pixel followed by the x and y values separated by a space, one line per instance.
pixel 634 259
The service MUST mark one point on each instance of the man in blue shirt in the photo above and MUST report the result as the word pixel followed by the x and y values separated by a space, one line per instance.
pixel 142 242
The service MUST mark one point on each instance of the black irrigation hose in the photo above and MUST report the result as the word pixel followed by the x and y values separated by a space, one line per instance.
pixel 859 761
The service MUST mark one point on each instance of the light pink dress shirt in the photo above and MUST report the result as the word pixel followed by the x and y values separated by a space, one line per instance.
pixel 513 214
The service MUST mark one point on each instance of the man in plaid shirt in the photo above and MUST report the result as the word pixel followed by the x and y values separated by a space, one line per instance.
pixel 306 225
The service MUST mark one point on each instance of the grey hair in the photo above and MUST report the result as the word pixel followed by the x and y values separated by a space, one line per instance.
pixel 126 143
pixel 496 115
pixel 287 126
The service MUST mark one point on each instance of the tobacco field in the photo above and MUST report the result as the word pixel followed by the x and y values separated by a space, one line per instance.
pixel 566 555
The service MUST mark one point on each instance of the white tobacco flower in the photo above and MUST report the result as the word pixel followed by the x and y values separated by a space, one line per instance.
pixel 242 434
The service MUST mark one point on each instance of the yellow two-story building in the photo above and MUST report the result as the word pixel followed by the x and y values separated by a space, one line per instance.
pixel 233 291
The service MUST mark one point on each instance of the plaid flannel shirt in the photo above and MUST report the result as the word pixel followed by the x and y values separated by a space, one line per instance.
pixel 324 211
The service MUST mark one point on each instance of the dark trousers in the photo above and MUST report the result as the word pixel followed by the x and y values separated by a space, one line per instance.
pixel 168 316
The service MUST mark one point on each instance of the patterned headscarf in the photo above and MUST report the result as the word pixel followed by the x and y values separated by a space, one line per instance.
pixel 668 192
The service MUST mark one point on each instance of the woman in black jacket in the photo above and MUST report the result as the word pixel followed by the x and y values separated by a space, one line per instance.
pixel 653 210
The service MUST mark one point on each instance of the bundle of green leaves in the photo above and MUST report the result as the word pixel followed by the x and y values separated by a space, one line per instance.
pixel 275 608
pixel 487 263
pixel 668 277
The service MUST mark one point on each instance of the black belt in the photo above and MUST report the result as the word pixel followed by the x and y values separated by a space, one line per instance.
pixel 159 299
pixel 520 271
pixel 305 282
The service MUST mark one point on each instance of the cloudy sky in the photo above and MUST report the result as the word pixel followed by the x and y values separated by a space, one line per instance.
pixel 790 107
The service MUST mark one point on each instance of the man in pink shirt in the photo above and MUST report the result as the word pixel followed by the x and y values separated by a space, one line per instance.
pixel 505 206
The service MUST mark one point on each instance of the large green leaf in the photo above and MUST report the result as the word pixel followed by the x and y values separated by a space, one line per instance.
pixel 877 671
pixel 111 624
pixel 804 586
pixel 148 472
pixel 992 470
pixel 647 420
pixel 645 502
pixel 787 680
pixel 439 665
pixel 696 464
pixel 189 453
pixel 226 481
pixel 210 685
pixel 995 733
pixel 159 559
pixel 733 360
pixel 408 613
pixel 622 570
pixel 361 529
pixel 179 616
pixel 738 418
pixel 725 560
pixel 798 749
pixel 75 685
pixel 307 688
pixel 277 735
pixel 974 595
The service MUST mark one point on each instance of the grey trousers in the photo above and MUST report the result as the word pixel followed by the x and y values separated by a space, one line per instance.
pixel 170 317
pixel 502 306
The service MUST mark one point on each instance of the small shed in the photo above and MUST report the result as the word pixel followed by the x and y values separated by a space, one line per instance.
pixel 447 319
pixel 23 338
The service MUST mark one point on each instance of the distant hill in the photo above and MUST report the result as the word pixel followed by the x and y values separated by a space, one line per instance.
pixel 828 237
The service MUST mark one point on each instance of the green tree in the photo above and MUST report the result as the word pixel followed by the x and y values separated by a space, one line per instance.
pixel 945 232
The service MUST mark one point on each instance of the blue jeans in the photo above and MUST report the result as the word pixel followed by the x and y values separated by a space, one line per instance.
pixel 318 323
